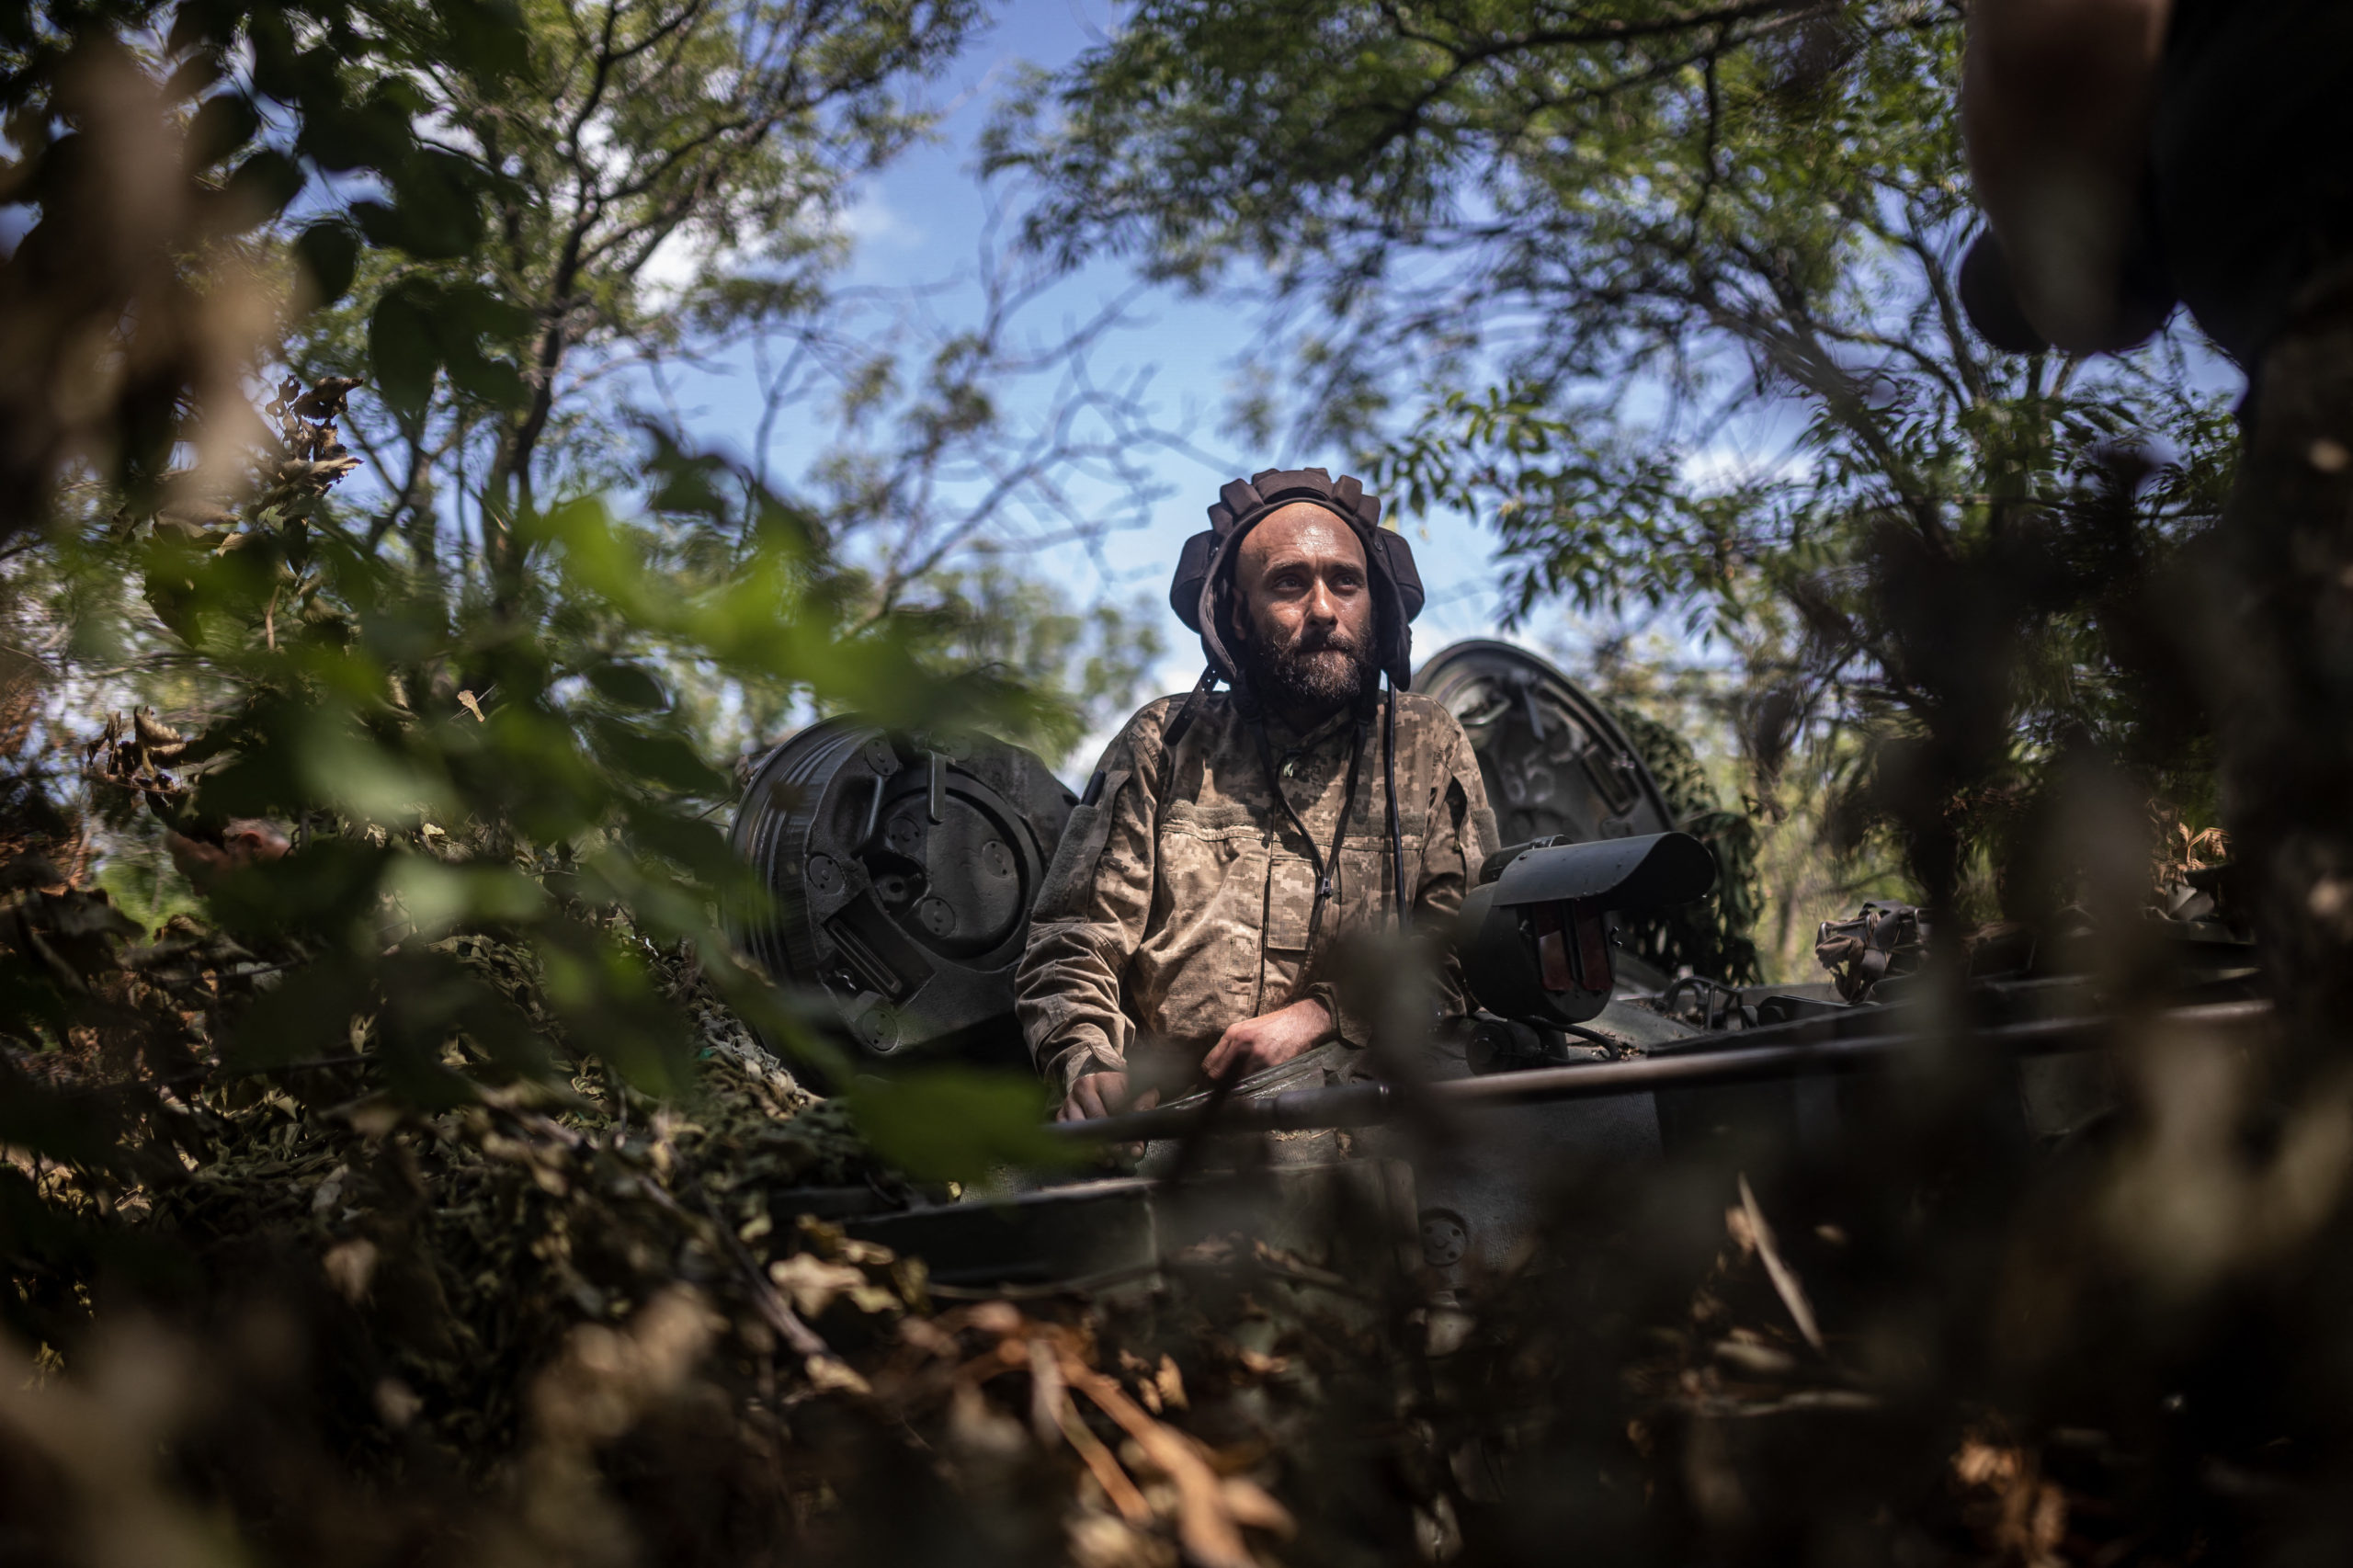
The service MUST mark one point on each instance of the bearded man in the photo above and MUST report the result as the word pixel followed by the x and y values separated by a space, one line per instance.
pixel 1230 842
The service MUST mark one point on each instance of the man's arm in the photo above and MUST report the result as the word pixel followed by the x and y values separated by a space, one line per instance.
pixel 1087 921
pixel 2055 105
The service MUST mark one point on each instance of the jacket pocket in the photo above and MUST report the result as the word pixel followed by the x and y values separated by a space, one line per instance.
pixel 1290 904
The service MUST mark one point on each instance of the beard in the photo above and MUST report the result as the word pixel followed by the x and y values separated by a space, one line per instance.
pixel 1323 670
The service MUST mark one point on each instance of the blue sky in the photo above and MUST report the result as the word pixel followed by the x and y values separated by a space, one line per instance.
pixel 922 222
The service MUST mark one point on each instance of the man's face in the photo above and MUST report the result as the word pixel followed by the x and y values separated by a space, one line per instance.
pixel 1306 620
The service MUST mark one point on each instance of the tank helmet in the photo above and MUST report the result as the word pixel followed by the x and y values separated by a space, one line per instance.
pixel 1208 560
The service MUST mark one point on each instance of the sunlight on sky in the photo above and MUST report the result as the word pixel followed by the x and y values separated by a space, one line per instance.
pixel 924 223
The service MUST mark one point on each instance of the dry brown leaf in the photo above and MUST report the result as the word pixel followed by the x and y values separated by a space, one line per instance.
pixel 1099 1541
pixel 1000 1318
pixel 350 1265
pixel 1254 1509
pixel 1047 1395
pixel 1785 1281
pixel 831 1374
pixel 812 1283
pixel 2016 1514
pixel 1099 1461
pixel 1170 1384
pixel 1207 1525
pixel 924 1335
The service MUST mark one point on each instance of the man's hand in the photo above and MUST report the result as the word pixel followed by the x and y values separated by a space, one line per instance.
pixel 1268 1041
pixel 1102 1093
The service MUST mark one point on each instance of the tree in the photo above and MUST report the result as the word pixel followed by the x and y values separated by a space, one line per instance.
pixel 152 153
pixel 660 186
pixel 664 176
pixel 370 757
pixel 1659 234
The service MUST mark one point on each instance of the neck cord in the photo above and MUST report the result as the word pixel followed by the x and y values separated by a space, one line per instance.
pixel 1396 839
pixel 1323 864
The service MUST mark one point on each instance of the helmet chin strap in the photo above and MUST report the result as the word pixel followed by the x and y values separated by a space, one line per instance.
pixel 1405 905
pixel 1187 713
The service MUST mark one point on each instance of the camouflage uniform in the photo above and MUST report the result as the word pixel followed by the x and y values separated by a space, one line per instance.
pixel 1169 917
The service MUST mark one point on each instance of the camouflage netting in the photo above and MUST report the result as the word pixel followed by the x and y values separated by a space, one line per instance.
pixel 474 1238
pixel 556 1322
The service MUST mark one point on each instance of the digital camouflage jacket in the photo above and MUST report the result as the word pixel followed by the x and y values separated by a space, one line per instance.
pixel 1169 915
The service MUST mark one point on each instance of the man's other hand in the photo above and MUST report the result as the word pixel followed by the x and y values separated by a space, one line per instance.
pixel 1102 1093
pixel 1268 1041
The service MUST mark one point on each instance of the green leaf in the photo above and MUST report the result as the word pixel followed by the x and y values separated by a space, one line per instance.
pixel 437 211
pixel 308 1014
pixel 608 1005
pixel 492 381
pixel 629 686
pixel 400 350
pixel 262 186
pixel 223 123
pixel 487 39
pixel 367 780
pixel 663 759
pixel 440 898
pixel 364 136
pixel 698 845
pixel 958 1123
pixel 329 253
pixel 471 309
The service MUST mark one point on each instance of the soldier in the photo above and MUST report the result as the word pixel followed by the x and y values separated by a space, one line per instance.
pixel 1229 842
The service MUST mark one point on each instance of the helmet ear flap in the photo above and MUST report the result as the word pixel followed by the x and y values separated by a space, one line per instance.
pixel 1193 569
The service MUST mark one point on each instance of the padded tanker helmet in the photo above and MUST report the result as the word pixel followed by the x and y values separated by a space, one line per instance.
pixel 1207 563
pixel 1208 559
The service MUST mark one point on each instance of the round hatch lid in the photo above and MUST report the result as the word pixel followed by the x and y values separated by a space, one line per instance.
pixel 900 873
pixel 1553 759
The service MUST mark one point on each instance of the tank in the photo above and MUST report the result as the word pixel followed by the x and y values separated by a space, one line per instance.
pixel 900 871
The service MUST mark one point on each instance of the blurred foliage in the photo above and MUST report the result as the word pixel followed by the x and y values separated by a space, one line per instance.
pixel 369 758
pixel 1100 656
pixel 1714 938
pixel 431 1199
pixel 446 770
pixel 151 150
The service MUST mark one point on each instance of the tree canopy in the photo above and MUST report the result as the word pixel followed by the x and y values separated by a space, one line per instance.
pixel 1669 297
